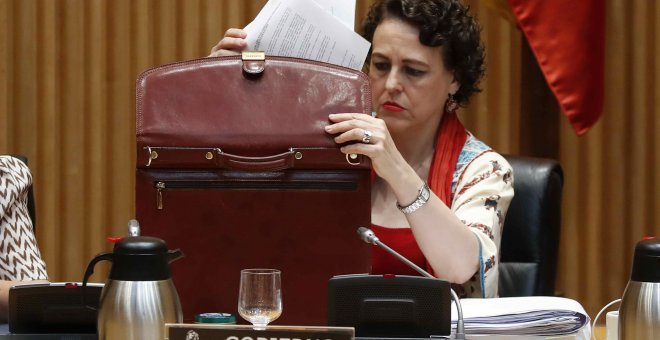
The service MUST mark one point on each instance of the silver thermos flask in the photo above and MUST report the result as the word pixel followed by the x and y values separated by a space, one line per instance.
pixel 139 296
pixel 639 314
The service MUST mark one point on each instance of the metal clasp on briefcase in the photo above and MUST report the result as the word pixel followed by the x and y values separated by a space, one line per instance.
pixel 254 62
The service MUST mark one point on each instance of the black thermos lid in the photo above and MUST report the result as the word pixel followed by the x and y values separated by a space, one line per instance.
pixel 646 264
pixel 140 258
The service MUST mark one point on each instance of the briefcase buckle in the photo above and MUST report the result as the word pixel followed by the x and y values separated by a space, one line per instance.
pixel 254 62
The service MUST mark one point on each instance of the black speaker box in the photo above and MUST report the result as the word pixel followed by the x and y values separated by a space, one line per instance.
pixel 390 306
pixel 53 308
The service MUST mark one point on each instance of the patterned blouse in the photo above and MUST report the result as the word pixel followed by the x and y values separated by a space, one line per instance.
pixel 20 258
pixel 482 190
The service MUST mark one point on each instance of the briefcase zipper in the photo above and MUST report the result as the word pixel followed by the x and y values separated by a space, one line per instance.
pixel 159 195
pixel 254 185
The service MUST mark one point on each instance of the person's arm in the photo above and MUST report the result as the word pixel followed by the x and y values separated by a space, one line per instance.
pixel 450 247
pixel 480 203
pixel 482 198
pixel 20 256
pixel 4 295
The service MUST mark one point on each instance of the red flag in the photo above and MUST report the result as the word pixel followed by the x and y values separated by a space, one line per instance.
pixel 568 40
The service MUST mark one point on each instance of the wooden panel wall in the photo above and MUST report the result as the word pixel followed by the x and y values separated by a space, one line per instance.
pixel 67 82
pixel 612 189
pixel 67 73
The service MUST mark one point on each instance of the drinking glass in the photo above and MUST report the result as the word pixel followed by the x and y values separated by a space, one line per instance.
pixel 260 296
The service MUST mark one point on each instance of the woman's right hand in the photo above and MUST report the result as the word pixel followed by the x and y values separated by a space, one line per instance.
pixel 231 44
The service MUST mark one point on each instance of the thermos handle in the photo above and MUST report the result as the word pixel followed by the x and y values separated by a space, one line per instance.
pixel 90 270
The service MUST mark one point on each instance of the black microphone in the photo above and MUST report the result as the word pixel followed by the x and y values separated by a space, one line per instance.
pixel 368 236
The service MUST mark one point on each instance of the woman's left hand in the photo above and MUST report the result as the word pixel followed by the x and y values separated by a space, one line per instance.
pixel 367 135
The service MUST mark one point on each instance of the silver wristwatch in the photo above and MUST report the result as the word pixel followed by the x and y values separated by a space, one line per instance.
pixel 423 195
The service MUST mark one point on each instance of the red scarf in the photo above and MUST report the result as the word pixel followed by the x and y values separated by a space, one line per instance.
pixel 449 143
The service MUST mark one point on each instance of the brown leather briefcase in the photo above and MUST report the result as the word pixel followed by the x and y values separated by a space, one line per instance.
pixel 234 167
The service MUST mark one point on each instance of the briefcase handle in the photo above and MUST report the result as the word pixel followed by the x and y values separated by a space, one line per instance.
pixel 267 163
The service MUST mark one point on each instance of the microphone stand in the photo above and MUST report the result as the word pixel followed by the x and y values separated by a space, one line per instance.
pixel 369 236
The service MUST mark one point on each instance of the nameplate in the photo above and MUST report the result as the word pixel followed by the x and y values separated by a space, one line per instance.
pixel 242 332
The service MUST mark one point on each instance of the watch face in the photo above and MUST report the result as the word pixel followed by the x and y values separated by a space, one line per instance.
pixel 425 194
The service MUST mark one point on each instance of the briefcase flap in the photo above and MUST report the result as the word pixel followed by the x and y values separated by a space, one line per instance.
pixel 210 113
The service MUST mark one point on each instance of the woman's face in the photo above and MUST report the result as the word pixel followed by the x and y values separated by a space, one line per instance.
pixel 409 80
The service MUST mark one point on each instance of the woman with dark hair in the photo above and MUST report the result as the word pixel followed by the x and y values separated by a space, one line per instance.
pixel 440 195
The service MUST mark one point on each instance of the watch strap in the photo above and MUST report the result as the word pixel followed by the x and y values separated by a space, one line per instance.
pixel 423 195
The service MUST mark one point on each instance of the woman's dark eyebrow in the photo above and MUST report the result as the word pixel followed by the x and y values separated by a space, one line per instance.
pixel 416 62
pixel 407 60
pixel 376 54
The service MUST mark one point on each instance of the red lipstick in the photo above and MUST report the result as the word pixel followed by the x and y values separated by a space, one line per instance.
pixel 392 106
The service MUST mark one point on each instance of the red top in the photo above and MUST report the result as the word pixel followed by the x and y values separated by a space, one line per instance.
pixel 403 242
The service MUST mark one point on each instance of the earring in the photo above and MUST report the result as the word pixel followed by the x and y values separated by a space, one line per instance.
pixel 451 105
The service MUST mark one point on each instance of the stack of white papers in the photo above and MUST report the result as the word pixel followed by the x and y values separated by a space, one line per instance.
pixel 532 316
pixel 305 29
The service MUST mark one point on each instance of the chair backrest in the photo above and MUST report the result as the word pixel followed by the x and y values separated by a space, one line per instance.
pixel 31 206
pixel 530 239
